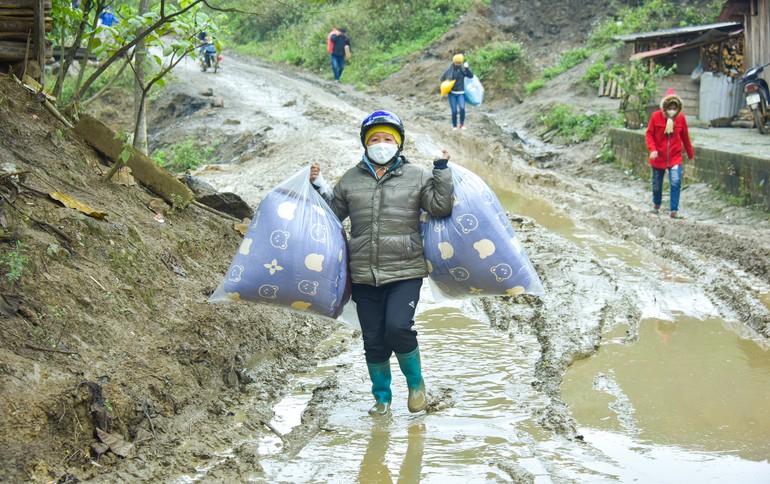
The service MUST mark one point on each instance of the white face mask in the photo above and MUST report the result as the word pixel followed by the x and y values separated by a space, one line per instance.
pixel 672 112
pixel 381 153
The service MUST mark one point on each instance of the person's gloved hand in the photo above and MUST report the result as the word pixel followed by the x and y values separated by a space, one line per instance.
pixel 441 160
pixel 465 64
pixel 317 180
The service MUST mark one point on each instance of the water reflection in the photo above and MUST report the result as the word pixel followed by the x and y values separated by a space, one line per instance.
pixel 374 468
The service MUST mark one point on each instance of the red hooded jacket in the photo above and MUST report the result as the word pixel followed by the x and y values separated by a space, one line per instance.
pixel 668 146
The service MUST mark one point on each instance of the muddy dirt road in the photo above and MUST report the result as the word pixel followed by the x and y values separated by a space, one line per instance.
pixel 647 359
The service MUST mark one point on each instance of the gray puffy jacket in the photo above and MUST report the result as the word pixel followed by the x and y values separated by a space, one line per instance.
pixel 385 242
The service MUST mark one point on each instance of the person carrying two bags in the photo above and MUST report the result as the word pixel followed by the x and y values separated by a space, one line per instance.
pixel 383 195
pixel 457 72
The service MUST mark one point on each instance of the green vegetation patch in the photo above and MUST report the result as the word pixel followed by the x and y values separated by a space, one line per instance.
pixel 577 127
pixel 382 34
pixel 567 61
pixel 499 59
pixel 652 15
pixel 186 155
pixel 14 262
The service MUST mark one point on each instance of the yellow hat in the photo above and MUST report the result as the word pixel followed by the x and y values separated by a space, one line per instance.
pixel 383 128
pixel 458 59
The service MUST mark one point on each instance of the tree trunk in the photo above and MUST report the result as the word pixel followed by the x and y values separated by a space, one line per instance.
pixel 140 128
pixel 40 38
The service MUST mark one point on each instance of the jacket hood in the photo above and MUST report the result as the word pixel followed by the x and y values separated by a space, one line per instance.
pixel 670 96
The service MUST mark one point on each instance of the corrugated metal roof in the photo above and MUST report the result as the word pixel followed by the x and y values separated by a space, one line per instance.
pixel 709 36
pixel 677 31
pixel 657 52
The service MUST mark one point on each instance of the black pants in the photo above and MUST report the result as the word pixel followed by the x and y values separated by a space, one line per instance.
pixel 386 314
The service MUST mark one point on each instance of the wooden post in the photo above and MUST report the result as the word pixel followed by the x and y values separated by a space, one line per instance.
pixel 601 84
pixel 40 38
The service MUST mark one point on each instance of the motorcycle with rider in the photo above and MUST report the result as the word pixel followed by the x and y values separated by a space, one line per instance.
pixel 207 50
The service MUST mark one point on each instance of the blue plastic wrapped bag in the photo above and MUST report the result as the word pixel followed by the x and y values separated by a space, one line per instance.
pixel 475 251
pixel 294 254
pixel 474 91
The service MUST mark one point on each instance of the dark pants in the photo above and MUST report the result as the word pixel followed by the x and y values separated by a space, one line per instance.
pixel 457 103
pixel 386 314
pixel 338 65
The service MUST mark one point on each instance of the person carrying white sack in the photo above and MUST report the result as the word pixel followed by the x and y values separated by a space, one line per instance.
pixel 383 195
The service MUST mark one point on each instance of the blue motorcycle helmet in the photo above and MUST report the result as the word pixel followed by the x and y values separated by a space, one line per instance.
pixel 379 118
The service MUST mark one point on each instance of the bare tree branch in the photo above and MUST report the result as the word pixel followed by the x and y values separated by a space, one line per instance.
pixel 125 48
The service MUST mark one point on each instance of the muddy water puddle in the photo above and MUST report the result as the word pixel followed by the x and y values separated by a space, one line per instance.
pixel 484 393
pixel 689 383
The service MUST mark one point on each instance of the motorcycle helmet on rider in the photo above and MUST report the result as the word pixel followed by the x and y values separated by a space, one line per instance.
pixel 383 118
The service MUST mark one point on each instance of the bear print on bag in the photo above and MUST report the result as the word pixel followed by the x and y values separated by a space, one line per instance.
pixel 280 239
pixel 307 287
pixel 234 274
pixel 460 274
pixel 468 223
pixel 268 291
pixel 502 272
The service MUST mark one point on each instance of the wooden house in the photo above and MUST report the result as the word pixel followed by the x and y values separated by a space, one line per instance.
pixel 754 15
pixel 23 46
pixel 710 59
pixel 701 52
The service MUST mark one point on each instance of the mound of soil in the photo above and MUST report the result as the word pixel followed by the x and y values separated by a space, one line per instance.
pixel 109 347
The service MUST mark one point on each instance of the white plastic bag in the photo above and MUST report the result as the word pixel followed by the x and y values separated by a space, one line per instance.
pixel 294 253
pixel 475 251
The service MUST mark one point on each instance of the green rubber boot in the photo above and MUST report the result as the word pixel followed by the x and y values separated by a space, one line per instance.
pixel 380 375
pixel 410 367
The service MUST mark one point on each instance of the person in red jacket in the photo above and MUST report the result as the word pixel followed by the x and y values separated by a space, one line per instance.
pixel 667 133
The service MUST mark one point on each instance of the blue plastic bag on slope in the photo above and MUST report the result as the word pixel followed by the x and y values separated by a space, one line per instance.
pixel 294 254
pixel 474 91
pixel 475 251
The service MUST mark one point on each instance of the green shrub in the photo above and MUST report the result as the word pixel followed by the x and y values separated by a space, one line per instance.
pixel 640 89
pixel 567 61
pixel 14 262
pixel 490 57
pixel 596 69
pixel 183 156
pixel 124 83
pixel 573 127
pixel 533 86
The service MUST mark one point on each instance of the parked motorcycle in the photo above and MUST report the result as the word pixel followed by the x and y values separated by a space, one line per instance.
pixel 757 97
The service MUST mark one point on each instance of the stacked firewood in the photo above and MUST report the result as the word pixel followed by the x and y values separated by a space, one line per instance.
pixel 17 27
pixel 732 56
pixel 724 57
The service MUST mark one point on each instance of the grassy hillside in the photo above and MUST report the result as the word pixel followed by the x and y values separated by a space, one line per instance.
pixel 383 34
pixel 387 35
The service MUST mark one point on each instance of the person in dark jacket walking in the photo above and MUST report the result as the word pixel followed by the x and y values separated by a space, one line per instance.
pixel 383 195
pixel 340 51
pixel 457 71
pixel 667 133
